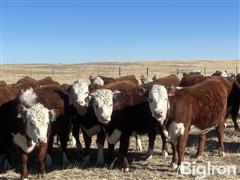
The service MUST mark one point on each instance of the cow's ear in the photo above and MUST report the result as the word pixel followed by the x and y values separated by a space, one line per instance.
pixel 172 90
pixel 52 115
pixel 116 93
pixel 91 78
pixel 154 77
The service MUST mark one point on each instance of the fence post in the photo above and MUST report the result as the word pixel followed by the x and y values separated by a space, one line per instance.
pixel 177 72
pixel 52 72
pixel 30 73
pixel 147 71
pixel 205 72
pixel 119 71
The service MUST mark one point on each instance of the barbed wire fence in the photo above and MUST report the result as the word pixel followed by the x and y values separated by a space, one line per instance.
pixel 65 75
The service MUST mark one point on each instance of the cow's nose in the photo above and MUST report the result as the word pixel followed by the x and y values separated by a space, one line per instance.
pixel 158 113
pixel 42 140
pixel 81 103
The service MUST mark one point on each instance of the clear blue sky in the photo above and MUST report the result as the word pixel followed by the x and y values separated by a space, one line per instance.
pixel 45 31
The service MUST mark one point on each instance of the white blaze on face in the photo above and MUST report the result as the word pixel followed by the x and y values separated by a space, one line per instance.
pixel 174 131
pixel 224 74
pixel 158 102
pixel 37 120
pixel 103 105
pixel 79 94
pixel 98 81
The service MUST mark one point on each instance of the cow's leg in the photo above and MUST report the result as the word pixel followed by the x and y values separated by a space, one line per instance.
pixel 100 144
pixel 181 145
pixel 24 160
pixel 123 149
pixel 88 142
pixel 164 142
pixel 173 164
pixel 76 132
pixel 201 145
pixel 41 157
pixel 151 141
pixel 138 143
pixel 220 133
pixel 48 159
pixel 110 152
pixel 63 137
pixel 234 114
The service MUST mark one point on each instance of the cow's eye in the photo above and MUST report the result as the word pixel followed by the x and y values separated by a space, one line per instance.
pixel 96 106
pixel 32 124
pixel 151 100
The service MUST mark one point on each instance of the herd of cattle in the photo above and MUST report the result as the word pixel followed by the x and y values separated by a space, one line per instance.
pixel 32 112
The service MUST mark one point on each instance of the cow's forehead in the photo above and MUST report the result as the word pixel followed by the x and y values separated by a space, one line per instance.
pixel 80 86
pixel 103 95
pixel 158 90
pixel 38 113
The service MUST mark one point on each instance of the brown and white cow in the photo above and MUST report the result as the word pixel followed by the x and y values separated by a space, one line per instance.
pixel 28 121
pixel 196 110
pixel 233 88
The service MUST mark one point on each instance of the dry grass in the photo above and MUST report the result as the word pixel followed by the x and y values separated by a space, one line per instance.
pixel 157 167
pixel 67 73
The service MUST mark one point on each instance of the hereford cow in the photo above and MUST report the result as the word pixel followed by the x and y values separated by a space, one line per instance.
pixel 100 80
pixel 28 121
pixel 196 110
pixel 220 73
pixel 128 105
pixel 233 87
pixel 147 79
pixel 85 110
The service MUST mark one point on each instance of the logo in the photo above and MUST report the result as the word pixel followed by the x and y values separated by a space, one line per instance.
pixel 205 170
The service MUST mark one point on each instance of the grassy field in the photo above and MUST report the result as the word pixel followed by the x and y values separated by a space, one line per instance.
pixel 155 168
pixel 67 73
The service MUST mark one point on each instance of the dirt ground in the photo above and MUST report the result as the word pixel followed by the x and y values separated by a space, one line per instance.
pixel 155 168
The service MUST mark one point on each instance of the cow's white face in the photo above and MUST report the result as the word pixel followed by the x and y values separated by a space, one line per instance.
pixel 223 74
pixel 97 81
pixel 79 95
pixel 36 122
pixel 103 105
pixel 158 102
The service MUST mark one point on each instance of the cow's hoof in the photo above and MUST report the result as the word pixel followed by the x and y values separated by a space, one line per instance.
pixel 41 175
pixel 100 163
pixel 6 165
pixel 148 157
pixel 125 170
pixel 139 149
pixel 164 154
pixel 222 154
pixel 173 166
pixel 178 169
pixel 65 161
pixel 48 161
